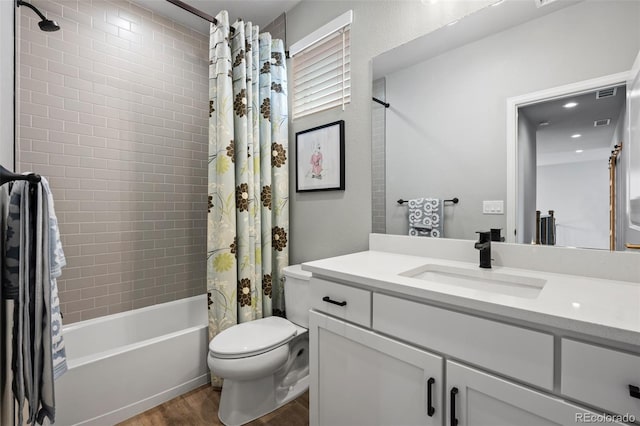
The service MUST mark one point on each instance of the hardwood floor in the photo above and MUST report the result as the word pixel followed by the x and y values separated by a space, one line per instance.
pixel 200 407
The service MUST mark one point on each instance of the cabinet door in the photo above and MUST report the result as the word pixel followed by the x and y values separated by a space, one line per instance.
pixel 361 378
pixel 475 398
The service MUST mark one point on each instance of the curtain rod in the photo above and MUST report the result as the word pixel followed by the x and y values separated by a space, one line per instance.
pixel 383 103
pixel 184 6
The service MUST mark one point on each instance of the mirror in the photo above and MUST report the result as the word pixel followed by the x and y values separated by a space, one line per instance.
pixel 448 132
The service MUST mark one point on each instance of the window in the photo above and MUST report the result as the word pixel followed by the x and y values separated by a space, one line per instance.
pixel 321 68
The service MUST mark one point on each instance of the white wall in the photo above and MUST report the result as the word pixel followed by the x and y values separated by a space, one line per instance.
pixel 446 129
pixel 7 10
pixel 330 223
pixel 579 195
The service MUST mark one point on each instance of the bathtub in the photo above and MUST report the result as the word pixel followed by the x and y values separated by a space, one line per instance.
pixel 123 364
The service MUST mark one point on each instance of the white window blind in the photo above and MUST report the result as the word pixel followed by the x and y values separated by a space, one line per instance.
pixel 322 74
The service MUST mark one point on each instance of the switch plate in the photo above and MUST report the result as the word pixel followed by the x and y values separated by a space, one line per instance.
pixel 493 207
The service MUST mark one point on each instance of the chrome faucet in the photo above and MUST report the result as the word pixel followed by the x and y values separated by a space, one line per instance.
pixel 484 245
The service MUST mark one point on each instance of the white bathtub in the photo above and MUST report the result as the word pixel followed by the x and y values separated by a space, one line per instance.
pixel 123 364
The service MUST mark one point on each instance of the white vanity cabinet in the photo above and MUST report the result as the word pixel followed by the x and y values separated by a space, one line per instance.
pixel 379 359
pixel 359 378
pixel 475 398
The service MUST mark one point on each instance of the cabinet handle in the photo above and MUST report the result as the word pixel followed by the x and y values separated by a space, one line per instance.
pixel 430 408
pixel 452 420
pixel 328 299
pixel 634 391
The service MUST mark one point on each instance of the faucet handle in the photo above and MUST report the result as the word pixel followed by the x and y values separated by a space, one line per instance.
pixel 484 236
pixel 496 234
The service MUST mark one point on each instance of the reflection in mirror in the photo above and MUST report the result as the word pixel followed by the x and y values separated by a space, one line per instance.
pixel 445 133
pixel 568 142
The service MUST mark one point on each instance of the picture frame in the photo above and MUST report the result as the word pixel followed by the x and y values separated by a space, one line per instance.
pixel 320 158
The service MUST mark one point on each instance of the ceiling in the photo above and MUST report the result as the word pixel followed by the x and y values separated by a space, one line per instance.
pixel 554 142
pixel 260 12
pixel 482 23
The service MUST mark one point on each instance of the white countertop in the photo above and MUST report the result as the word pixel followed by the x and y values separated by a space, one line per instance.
pixel 592 306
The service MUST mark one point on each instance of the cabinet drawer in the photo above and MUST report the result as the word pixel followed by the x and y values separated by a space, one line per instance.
pixel 350 303
pixel 513 351
pixel 600 377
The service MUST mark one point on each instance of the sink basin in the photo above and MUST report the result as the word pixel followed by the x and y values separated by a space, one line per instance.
pixel 479 279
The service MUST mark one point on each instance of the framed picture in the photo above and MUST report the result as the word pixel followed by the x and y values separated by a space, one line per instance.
pixel 320 158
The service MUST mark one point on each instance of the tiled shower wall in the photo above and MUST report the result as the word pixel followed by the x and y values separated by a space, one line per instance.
pixel 378 158
pixel 113 110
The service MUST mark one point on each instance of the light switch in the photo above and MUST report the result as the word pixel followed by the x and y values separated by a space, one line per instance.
pixel 493 207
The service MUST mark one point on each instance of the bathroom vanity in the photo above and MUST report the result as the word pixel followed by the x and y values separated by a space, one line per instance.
pixel 412 332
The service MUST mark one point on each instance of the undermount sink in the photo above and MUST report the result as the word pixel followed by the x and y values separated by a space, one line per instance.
pixel 479 279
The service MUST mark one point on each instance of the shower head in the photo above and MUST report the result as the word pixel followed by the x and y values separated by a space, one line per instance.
pixel 45 24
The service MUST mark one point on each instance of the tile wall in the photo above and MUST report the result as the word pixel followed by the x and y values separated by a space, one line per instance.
pixel 378 156
pixel 113 110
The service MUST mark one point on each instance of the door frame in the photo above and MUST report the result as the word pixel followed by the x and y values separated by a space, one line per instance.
pixel 516 102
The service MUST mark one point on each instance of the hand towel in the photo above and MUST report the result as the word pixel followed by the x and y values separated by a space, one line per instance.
pixel 425 217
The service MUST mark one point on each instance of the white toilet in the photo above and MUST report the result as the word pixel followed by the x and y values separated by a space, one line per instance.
pixel 264 363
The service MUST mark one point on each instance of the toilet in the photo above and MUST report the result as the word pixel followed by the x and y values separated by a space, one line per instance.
pixel 264 363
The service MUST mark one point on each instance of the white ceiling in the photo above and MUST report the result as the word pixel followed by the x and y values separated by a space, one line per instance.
pixel 554 142
pixel 260 12
pixel 473 27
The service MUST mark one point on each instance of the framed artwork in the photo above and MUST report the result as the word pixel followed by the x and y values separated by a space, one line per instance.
pixel 320 158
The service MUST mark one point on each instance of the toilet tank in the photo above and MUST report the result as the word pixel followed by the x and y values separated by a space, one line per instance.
pixel 296 295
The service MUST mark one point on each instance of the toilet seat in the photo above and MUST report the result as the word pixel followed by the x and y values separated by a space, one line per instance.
pixel 252 338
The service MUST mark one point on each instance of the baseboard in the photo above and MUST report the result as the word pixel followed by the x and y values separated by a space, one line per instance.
pixel 126 412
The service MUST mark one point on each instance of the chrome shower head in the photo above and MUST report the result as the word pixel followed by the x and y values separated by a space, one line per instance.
pixel 45 24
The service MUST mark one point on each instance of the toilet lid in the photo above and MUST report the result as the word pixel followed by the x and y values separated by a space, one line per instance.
pixel 252 338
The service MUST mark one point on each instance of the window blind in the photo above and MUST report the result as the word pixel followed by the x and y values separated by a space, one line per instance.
pixel 322 74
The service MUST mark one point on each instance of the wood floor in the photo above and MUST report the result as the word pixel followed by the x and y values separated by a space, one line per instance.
pixel 200 407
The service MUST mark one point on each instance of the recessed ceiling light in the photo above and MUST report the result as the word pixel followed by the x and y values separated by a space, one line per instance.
pixel 577 135
pixel 544 123
pixel 570 105
pixel 579 151
pixel 453 23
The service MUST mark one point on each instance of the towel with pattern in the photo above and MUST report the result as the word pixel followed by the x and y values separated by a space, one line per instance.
pixel 57 262
pixel 425 217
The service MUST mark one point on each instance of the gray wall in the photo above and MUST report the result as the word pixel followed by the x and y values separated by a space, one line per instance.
pixel 326 224
pixel 277 28
pixel 113 110
pixel 446 130
pixel 7 10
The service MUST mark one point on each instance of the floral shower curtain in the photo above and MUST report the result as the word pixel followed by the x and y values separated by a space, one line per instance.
pixel 248 220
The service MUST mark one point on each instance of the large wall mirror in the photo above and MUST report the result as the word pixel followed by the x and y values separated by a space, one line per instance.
pixel 514 109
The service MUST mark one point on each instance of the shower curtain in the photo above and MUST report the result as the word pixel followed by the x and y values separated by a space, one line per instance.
pixel 248 219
